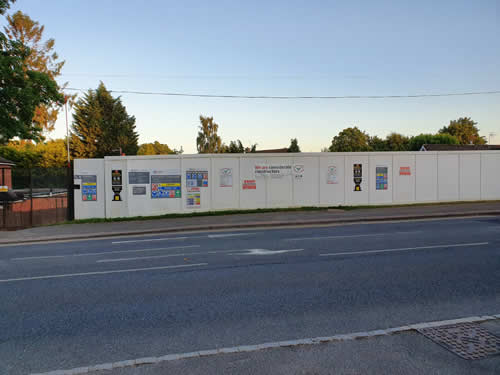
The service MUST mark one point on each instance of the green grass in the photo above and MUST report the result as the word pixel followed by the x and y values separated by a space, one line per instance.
pixel 256 211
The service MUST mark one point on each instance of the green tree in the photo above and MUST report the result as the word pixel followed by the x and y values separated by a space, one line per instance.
pixel 41 58
pixel 294 145
pixel 155 148
pixel 208 142
pixel 416 142
pixel 465 130
pixel 376 143
pixel 397 142
pixel 5 4
pixel 23 157
pixel 235 147
pixel 350 140
pixel 100 125
pixel 22 90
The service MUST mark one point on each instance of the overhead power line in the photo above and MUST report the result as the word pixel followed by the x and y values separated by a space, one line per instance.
pixel 295 97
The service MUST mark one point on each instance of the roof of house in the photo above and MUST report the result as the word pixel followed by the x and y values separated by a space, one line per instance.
pixel 6 162
pixel 439 147
pixel 274 151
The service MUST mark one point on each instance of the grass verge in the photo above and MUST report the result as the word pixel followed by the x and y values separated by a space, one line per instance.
pixel 261 210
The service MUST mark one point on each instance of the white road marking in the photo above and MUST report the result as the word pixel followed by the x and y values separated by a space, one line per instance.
pixel 405 249
pixel 223 235
pixel 108 252
pixel 100 272
pixel 270 345
pixel 151 239
pixel 350 236
pixel 267 252
pixel 166 256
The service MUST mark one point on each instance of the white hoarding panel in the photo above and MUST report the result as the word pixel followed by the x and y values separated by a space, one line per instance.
pixel 404 178
pixel 470 176
pixel 426 172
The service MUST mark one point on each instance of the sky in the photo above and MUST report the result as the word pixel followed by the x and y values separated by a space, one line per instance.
pixel 281 48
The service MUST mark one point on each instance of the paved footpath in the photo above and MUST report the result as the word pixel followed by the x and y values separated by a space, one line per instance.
pixel 270 219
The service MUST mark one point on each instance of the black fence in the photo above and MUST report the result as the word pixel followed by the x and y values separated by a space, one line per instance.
pixel 40 196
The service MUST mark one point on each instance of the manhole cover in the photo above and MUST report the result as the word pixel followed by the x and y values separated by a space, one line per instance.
pixel 467 340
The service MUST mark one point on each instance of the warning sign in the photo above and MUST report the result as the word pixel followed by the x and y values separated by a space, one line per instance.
pixel 404 171
pixel 193 200
pixel 165 186
pixel 89 188
pixel 381 178
pixel 196 178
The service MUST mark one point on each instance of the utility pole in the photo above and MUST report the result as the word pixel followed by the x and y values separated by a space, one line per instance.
pixel 489 138
pixel 67 128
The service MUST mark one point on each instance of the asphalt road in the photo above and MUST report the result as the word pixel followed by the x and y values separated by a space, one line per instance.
pixel 71 304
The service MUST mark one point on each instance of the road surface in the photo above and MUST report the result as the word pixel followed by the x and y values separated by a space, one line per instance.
pixel 71 304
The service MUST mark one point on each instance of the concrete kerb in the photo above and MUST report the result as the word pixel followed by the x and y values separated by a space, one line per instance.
pixel 271 345
pixel 263 224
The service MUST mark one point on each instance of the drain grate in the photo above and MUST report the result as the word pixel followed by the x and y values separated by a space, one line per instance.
pixel 467 340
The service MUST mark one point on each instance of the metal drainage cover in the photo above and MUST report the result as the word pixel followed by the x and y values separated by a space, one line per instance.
pixel 467 340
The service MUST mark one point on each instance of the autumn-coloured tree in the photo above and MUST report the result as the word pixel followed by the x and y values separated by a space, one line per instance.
pixel 155 148
pixel 465 130
pixel 40 58
pixel 208 142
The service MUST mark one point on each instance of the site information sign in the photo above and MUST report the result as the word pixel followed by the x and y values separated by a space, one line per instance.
pixel 382 179
pixel 272 170
pixel 226 177
pixel 332 175
pixel 196 178
pixel 89 188
pixel 138 177
pixel 165 186
pixel 193 200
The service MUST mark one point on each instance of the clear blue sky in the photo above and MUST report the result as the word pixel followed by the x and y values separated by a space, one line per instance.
pixel 282 48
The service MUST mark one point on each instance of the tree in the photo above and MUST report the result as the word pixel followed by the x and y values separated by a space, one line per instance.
pixel 22 91
pixel 53 154
pixel 397 142
pixel 208 142
pixel 415 143
pixel 5 4
pixel 465 130
pixel 155 148
pixel 235 147
pixel 41 58
pixel 294 145
pixel 350 140
pixel 376 143
pixel 100 125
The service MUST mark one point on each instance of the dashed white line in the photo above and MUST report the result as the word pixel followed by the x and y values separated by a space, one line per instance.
pixel 108 252
pixel 223 235
pixel 349 236
pixel 268 252
pixel 150 240
pixel 270 345
pixel 405 249
pixel 100 272
pixel 166 256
